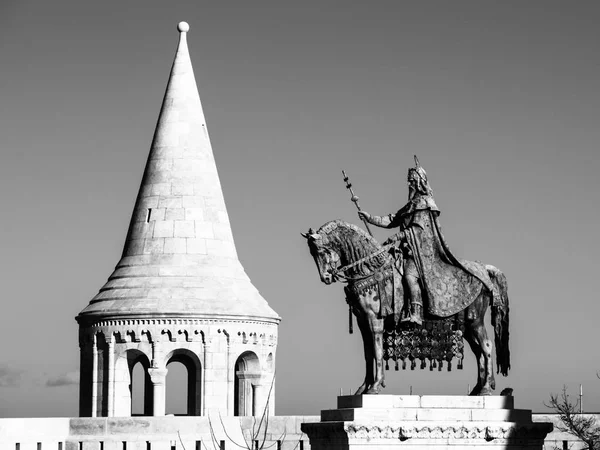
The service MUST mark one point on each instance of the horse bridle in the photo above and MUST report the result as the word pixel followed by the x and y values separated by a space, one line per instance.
pixel 338 273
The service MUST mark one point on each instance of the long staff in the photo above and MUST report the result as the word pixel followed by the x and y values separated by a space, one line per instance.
pixel 354 198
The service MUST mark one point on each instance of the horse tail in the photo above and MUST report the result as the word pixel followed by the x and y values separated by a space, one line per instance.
pixel 500 311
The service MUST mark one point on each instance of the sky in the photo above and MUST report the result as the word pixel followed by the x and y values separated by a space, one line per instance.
pixel 499 100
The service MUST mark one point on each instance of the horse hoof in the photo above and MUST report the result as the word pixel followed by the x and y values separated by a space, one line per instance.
pixel 373 390
pixel 360 390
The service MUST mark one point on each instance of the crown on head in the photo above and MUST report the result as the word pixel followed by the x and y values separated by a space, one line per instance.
pixel 418 170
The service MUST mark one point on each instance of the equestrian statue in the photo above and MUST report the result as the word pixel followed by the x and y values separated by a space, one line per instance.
pixel 413 299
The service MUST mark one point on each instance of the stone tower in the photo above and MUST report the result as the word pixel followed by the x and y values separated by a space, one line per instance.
pixel 179 292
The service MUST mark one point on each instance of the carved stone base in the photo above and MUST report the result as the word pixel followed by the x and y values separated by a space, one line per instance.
pixel 425 422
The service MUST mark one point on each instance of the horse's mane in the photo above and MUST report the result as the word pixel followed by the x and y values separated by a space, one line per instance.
pixel 337 223
pixel 353 243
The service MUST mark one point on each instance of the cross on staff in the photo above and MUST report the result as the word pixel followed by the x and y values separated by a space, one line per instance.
pixel 354 198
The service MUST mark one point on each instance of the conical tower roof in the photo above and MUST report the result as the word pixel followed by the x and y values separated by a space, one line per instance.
pixel 179 258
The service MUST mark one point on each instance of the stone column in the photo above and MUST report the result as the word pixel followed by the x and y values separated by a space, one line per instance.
pixel 249 394
pixel 156 352
pixel 261 396
pixel 84 393
pixel 94 376
pixel 111 377
pixel 158 378
pixel 230 378
pixel 206 371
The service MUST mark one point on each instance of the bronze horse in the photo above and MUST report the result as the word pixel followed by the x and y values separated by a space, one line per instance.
pixel 343 251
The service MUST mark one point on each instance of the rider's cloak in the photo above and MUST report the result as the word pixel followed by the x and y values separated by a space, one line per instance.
pixel 449 284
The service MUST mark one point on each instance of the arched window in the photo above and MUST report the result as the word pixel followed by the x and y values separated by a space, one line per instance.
pixel 133 388
pixel 247 373
pixel 183 384
pixel 141 390
pixel 177 387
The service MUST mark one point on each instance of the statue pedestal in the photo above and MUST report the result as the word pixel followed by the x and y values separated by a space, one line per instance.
pixel 425 422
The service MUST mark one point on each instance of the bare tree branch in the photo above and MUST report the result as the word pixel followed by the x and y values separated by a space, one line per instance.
pixel 583 427
pixel 258 428
pixel 213 435
pixel 230 438
pixel 179 434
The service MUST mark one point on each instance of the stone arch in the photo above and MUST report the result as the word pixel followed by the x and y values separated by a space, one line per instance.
pixel 247 377
pixel 147 392
pixel 123 382
pixel 192 363
pixel 100 390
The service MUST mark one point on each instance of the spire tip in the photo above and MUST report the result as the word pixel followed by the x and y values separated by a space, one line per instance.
pixel 183 27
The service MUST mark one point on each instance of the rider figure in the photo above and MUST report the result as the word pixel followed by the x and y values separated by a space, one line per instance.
pixel 415 222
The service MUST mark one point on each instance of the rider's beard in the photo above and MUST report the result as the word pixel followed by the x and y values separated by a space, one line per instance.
pixel 411 192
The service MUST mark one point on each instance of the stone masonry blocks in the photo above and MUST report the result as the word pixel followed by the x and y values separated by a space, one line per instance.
pixel 175 245
pixel 160 189
pixel 194 213
pixel 152 246
pixel 193 201
pixel 175 214
pixel 196 246
pixel 204 230
pixel 163 229
pixel 135 247
pixel 184 229
pixel 170 202
pixel 157 214
pixel 182 189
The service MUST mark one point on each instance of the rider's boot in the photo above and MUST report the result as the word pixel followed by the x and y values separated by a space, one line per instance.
pixel 406 315
pixel 416 308
pixel 416 313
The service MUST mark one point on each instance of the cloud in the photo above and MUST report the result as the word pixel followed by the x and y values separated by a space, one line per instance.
pixel 65 379
pixel 10 377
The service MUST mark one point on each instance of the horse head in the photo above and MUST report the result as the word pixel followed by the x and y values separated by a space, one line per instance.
pixel 326 257
pixel 337 244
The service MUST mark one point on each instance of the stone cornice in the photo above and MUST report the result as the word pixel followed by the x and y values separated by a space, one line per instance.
pixel 353 430
pixel 181 330
pixel 86 322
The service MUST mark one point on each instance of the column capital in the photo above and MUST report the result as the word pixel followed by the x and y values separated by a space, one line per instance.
pixel 250 376
pixel 158 376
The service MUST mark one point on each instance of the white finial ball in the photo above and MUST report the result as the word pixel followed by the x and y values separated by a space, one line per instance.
pixel 183 27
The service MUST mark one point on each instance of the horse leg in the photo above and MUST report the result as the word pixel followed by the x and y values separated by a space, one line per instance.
pixel 376 327
pixel 485 360
pixel 470 338
pixel 368 351
pixel 481 345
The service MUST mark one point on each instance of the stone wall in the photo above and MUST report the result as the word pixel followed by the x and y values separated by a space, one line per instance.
pixel 155 433
pixel 31 434
pixel 188 433
pixel 559 439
